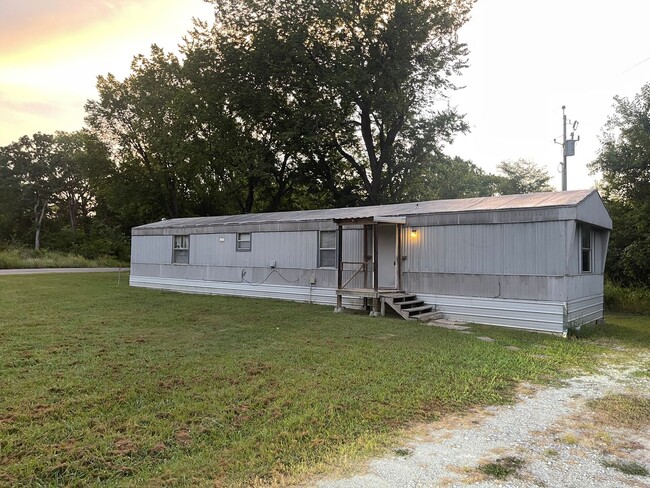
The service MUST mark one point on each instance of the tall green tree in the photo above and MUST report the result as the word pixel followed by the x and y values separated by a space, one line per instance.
pixel 142 120
pixel 35 162
pixel 624 161
pixel 47 179
pixel 361 78
pixel 522 176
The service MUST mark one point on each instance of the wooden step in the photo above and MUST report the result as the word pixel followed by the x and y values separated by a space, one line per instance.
pixel 403 298
pixel 410 307
pixel 422 308
pixel 433 315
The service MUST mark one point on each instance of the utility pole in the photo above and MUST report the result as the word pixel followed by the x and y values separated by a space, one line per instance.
pixel 568 146
pixel 564 186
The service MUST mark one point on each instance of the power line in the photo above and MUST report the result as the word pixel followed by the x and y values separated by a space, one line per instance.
pixel 637 64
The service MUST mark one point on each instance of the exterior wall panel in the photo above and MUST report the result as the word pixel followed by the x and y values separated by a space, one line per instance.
pixel 592 211
pixel 151 250
pixel 544 316
pixel 489 286
pixel 509 249
pixel 585 311
pixel 316 295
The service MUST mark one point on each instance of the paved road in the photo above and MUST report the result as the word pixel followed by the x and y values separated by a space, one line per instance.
pixel 59 270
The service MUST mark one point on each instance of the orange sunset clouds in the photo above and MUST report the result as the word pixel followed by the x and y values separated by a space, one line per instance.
pixel 51 52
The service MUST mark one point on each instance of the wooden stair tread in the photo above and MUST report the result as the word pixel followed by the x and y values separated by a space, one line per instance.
pixel 429 316
pixel 417 309
pixel 409 306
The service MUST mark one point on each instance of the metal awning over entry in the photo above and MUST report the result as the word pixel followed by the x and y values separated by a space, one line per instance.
pixel 384 236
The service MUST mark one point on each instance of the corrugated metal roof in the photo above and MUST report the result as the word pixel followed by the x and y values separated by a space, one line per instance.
pixel 501 203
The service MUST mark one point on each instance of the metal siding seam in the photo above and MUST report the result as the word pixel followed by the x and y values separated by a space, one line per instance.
pixel 549 314
pixel 322 296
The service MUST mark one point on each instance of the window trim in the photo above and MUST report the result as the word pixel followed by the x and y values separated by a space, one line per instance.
pixel 238 240
pixel 584 228
pixel 185 249
pixel 320 249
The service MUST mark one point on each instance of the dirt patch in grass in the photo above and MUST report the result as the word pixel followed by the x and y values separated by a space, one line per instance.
pixel 623 410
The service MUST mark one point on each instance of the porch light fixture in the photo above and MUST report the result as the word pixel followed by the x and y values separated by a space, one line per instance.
pixel 414 233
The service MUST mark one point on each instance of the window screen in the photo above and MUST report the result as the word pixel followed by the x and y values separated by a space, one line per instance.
pixel 327 249
pixel 181 254
pixel 244 241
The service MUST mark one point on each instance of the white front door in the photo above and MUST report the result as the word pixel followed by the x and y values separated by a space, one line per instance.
pixel 386 246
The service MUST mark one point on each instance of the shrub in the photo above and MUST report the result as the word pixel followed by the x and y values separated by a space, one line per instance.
pixel 626 299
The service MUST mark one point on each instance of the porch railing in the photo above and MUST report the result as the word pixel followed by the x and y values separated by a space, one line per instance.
pixel 362 267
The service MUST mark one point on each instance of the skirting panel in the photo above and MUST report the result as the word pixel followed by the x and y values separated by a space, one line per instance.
pixel 585 311
pixel 522 314
pixel 319 296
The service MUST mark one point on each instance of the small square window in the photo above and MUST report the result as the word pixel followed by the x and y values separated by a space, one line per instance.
pixel 244 241
pixel 181 251
pixel 327 249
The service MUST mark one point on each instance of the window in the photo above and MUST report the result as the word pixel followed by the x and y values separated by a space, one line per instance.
pixel 586 249
pixel 327 249
pixel 181 250
pixel 244 241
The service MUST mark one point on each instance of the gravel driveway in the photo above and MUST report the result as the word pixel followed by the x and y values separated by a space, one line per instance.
pixel 550 431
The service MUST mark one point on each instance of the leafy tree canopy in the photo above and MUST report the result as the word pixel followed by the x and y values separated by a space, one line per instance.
pixel 347 84
pixel 624 161
pixel 522 176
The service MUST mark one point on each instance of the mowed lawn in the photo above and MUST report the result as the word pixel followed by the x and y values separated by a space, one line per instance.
pixel 106 384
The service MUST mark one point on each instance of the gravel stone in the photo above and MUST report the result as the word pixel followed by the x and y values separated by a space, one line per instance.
pixel 537 429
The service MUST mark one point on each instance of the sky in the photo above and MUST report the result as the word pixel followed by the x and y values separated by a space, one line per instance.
pixel 527 59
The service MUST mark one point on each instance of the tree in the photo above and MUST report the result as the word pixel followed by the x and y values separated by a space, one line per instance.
pixel 82 162
pixel 360 77
pixel 522 176
pixel 12 213
pixel 624 161
pixel 48 182
pixel 141 120
pixel 34 161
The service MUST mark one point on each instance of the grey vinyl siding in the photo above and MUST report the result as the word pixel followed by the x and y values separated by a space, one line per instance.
pixel 151 249
pixel 486 286
pixel 295 250
pixel 584 310
pixel 592 211
pixel 535 249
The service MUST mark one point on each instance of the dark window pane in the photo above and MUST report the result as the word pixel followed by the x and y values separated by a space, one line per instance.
pixel 182 256
pixel 586 260
pixel 244 241
pixel 328 258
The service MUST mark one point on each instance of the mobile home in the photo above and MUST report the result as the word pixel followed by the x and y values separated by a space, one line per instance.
pixel 532 261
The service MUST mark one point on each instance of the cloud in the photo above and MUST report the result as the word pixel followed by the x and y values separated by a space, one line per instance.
pixel 29 107
pixel 29 25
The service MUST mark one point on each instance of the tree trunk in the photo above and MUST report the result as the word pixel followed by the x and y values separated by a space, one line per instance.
pixel 39 222
pixel 72 211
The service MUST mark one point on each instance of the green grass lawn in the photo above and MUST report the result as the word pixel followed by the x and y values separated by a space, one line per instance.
pixel 119 386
